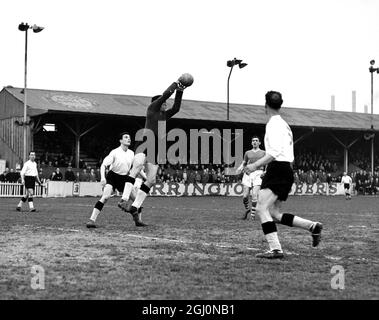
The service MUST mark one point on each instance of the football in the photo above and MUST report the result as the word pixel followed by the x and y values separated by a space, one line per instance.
pixel 186 79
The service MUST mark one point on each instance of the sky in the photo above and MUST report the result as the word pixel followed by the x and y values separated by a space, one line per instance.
pixel 307 49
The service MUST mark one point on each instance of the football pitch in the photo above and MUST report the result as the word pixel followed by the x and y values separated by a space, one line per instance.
pixel 193 248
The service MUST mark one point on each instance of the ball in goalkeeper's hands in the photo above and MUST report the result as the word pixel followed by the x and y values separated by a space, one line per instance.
pixel 186 79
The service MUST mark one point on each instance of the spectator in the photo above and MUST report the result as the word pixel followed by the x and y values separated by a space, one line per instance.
pixel 84 175
pixel 178 176
pixel 197 176
pixel 57 175
pixel 3 176
pixel 205 176
pixel 69 174
pixel 191 176
pixel 185 176
pixel 41 175
pixel 12 176
pixel 92 175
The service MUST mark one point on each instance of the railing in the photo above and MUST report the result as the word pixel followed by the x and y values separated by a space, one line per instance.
pixel 9 189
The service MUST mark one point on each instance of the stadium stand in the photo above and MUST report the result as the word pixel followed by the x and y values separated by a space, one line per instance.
pixel 79 121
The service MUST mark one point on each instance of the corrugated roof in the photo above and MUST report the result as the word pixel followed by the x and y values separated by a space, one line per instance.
pixel 129 105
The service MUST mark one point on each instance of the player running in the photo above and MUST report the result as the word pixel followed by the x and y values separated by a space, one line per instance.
pixel 29 176
pixel 277 181
pixel 157 111
pixel 253 180
pixel 119 162
pixel 347 182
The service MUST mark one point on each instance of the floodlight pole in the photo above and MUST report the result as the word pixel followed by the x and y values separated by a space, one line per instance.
pixel 372 70
pixel 24 127
pixel 227 99
pixel 24 27
pixel 231 64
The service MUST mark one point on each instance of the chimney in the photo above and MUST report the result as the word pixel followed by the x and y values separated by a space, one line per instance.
pixel 366 108
pixel 333 103
pixel 354 101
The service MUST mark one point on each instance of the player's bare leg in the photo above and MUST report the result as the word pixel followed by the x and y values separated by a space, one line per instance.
pixel 151 173
pixel 30 200
pixel 291 220
pixel 28 197
pixel 107 192
pixel 254 200
pixel 246 201
pixel 138 163
pixel 23 199
pixel 266 200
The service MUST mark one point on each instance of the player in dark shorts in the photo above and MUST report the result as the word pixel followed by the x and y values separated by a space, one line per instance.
pixel 278 179
pixel 157 111
pixel 119 162
pixel 29 177
pixel 347 182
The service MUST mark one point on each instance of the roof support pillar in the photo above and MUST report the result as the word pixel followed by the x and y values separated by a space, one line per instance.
pixel 305 135
pixel 345 150
pixel 79 132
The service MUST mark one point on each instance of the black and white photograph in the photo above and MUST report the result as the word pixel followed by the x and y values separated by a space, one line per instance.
pixel 212 154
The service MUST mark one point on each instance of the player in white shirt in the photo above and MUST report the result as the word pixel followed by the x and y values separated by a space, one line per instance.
pixel 278 179
pixel 347 182
pixel 119 162
pixel 253 180
pixel 29 176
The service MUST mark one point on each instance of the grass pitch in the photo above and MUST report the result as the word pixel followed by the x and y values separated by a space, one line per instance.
pixel 193 248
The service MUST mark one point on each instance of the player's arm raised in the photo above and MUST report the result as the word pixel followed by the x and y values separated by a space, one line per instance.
pixel 156 105
pixel 177 102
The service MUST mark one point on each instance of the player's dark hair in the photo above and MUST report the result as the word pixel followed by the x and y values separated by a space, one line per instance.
pixel 274 99
pixel 255 137
pixel 122 134
pixel 31 152
pixel 155 97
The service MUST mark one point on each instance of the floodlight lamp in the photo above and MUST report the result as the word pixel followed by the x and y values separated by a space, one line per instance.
pixel 230 63
pixel 36 28
pixel 372 62
pixel 23 26
pixel 242 65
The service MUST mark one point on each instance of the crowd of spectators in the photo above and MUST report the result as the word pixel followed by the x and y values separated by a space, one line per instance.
pixel 366 182
pixel 53 174
pixel 309 167
pixel 313 161
pixel 196 173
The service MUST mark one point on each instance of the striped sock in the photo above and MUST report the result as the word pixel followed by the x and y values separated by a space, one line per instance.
pixel 271 234
pixel 246 203
pixel 253 206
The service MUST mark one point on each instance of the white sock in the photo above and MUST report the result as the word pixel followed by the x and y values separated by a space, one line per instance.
pixel 20 204
pixel 95 213
pixel 127 190
pixel 302 223
pixel 140 198
pixel 273 241
pixel 31 205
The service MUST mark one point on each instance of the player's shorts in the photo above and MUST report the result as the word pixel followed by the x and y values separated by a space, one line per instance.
pixel 117 181
pixel 138 183
pixel 279 179
pixel 253 179
pixel 346 185
pixel 30 182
